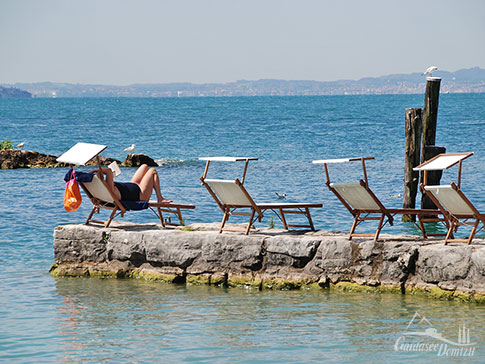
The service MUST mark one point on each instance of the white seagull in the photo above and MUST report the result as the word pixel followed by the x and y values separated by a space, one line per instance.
pixel 430 70
pixel 130 149
pixel 280 196
pixel 20 145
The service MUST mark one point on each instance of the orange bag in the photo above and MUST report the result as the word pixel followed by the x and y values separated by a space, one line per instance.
pixel 72 196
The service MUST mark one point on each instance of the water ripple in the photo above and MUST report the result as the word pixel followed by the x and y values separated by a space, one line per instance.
pixel 93 320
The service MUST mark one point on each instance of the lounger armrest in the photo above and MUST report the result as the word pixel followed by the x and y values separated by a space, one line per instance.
pixel 288 205
pixel 209 180
pixel 171 204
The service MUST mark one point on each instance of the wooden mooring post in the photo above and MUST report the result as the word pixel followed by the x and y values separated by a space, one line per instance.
pixel 430 114
pixel 420 128
pixel 413 127
pixel 428 148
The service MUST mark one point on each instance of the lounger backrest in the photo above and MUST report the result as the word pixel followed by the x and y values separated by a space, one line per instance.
pixel 449 198
pixel 228 192
pixel 98 190
pixel 356 196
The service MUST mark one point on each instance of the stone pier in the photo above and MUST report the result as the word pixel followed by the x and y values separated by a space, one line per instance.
pixel 272 259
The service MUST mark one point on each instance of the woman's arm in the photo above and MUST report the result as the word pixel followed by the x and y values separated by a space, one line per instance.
pixel 109 180
pixel 105 171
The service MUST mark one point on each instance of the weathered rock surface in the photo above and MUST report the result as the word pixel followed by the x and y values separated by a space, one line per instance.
pixel 14 158
pixel 104 161
pixel 271 259
pixel 136 160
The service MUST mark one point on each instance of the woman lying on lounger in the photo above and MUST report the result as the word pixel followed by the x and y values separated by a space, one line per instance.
pixel 139 188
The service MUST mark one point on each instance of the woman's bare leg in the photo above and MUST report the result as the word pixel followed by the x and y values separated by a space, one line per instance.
pixel 139 174
pixel 149 182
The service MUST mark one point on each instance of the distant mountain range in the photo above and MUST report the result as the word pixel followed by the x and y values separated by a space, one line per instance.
pixel 461 81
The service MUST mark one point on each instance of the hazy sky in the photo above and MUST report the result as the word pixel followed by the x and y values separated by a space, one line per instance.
pixel 156 41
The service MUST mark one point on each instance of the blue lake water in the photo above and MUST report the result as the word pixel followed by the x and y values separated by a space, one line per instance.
pixel 91 320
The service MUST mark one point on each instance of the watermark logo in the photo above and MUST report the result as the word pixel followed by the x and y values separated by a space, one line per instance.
pixel 421 336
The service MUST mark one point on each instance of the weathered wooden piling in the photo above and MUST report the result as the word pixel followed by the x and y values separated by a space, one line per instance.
pixel 430 113
pixel 428 148
pixel 420 129
pixel 413 129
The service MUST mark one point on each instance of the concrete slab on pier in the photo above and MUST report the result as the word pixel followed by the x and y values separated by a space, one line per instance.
pixel 272 258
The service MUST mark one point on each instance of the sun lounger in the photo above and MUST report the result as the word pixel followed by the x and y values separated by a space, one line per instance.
pixel 364 205
pixel 453 202
pixel 231 196
pixel 449 198
pixel 102 197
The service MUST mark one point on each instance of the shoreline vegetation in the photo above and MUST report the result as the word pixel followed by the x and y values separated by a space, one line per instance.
pixel 470 80
pixel 272 259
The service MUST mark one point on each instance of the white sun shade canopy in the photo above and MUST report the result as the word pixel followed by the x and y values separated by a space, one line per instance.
pixel 340 160
pixel 81 153
pixel 227 159
pixel 442 161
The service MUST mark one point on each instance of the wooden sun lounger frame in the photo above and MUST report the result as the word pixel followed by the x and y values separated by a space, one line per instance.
pixel 82 153
pixel 117 208
pixel 454 219
pixel 361 215
pixel 279 209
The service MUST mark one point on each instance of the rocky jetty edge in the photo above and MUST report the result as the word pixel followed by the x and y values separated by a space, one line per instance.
pixel 272 259
pixel 14 158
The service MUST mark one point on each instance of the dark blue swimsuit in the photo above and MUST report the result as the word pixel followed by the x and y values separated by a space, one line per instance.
pixel 129 191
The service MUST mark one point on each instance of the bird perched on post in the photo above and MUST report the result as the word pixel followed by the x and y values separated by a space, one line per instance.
pixel 20 145
pixel 430 70
pixel 130 149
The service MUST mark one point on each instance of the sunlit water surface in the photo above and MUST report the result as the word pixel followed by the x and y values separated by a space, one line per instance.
pixel 94 320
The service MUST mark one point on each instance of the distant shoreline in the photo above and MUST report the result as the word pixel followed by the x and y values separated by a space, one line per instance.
pixel 242 96
pixel 12 92
pixel 470 80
